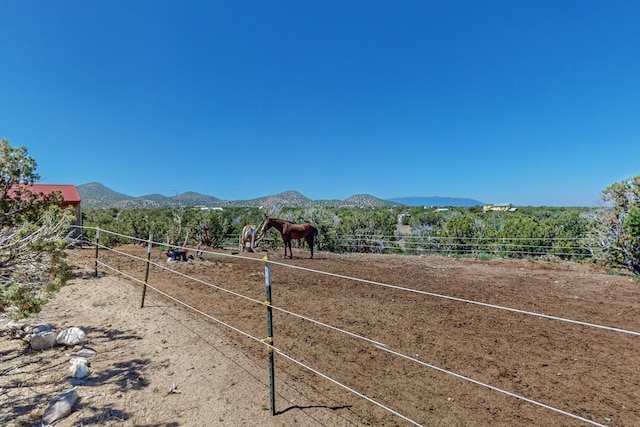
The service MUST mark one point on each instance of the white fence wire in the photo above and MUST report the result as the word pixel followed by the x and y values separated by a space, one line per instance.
pixel 517 247
pixel 375 343
pixel 503 247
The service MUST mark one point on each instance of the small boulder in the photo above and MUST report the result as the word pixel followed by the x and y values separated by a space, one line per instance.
pixel 87 353
pixel 60 407
pixel 79 367
pixel 41 336
pixel 71 336
pixel 42 327
pixel 42 340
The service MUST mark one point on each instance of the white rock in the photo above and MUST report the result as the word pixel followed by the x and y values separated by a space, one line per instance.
pixel 49 327
pixel 79 360
pixel 71 336
pixel 42 340
pixel 79 367
pixel 60 407
pixel 86 352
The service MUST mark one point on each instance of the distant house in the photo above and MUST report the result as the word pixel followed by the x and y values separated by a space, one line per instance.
pixel 70 197
pixel 402 216
pixel 499 207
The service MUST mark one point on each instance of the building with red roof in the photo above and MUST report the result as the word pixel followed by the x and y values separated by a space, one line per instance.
pixel 70 197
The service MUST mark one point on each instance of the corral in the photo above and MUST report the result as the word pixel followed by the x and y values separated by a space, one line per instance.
pixel 392 340
pixel 462 343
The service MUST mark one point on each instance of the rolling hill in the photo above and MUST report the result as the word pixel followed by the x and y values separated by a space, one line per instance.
pixel 96 195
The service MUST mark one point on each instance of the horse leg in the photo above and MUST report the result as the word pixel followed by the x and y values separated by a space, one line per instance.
pixel 309 240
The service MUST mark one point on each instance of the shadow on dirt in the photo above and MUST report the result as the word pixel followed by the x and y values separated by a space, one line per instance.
pixel 87 275
pixel 127 376
pixel 106 415
pixel 302 408
pixel 49 375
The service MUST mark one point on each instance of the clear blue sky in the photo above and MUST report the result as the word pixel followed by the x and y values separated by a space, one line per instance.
pixel 529 102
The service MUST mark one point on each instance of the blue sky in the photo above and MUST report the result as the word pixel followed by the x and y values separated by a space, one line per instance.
pixel 536 103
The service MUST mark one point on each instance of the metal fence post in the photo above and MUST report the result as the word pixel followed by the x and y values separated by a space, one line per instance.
pixel 146 273
pixel 97 244
pixel 269 340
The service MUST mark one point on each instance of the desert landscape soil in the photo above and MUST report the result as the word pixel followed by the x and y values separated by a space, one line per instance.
pixel 169 365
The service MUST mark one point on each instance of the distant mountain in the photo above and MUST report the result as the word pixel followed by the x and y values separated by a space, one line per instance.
pixel 436 201
pixel 99 196
pixel 365 200
pixel 288 198
pixel 96 195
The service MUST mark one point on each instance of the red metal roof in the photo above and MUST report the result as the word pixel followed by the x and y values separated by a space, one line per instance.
pixel 69 192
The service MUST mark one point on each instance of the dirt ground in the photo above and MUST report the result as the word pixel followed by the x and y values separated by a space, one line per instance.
pixel 222 373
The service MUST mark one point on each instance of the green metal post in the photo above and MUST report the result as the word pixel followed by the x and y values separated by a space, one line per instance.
pixel 272 382
pixel 97 244
pixel 146 273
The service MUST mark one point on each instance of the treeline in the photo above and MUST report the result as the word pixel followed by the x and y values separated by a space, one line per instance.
pixel 608 235
pixel 559 232
pixel 524 232
pixel 208 228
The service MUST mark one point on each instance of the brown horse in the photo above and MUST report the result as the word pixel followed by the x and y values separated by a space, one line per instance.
pixel 289 230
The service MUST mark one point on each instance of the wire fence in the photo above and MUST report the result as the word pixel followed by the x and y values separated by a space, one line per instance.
pixel 259 305
pixel 562 248
pixel 499 247
pixel 565 248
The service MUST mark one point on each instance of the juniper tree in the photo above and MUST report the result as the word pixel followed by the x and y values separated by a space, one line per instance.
pixel 32 235
pixel 616 234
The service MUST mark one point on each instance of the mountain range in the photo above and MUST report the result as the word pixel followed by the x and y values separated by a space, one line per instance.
pixel 96 195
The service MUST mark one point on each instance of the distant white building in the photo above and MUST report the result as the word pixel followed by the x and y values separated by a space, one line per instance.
pixel 499 207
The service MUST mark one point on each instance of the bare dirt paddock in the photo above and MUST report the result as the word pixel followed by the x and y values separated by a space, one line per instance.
pixel 556 366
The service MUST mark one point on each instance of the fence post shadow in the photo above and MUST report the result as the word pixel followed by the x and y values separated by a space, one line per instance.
pixel 302 408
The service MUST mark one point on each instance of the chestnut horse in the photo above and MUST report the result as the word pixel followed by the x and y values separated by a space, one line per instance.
pixel 289 230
